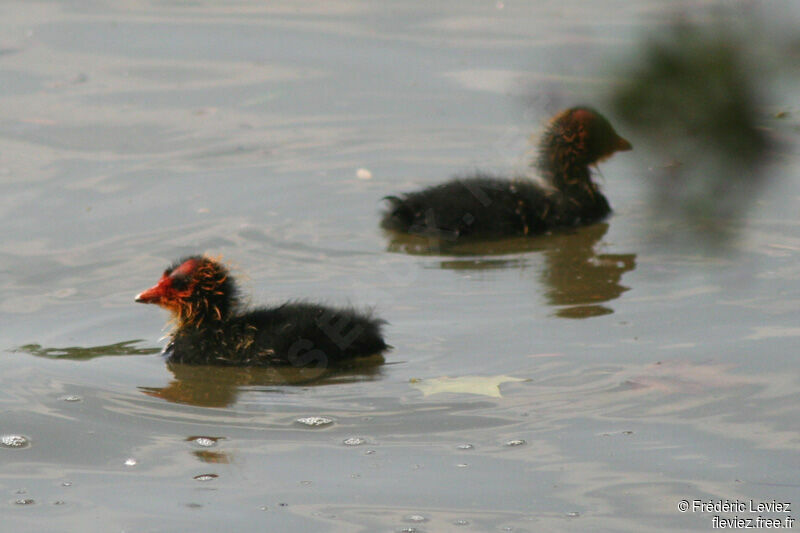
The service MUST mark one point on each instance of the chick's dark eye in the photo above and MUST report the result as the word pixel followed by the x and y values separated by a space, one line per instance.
pixel 180 282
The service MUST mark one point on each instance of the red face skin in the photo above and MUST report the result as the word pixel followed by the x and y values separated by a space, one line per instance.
pixel 196 290
pixel 166 295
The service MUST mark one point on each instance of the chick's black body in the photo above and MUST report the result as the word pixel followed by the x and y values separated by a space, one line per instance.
pixel 299 334
pixel 487 206
pixel 212 328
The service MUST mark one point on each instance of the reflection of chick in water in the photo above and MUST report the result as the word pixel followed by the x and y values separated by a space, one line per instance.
pixel 574 275
pixel 214 386
pixel 579 278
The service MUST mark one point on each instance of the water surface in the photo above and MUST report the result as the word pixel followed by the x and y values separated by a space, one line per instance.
pixel 583 381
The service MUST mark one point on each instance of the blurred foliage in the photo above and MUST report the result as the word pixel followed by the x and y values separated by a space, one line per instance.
pixel 695 86
pixel 696 96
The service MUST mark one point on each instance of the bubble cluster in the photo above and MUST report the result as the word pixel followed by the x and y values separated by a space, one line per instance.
pixel 205 442
pixel 314 421
pixel 71 398
pixel 14 441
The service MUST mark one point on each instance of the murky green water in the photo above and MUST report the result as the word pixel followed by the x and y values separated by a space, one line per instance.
pixel 586 381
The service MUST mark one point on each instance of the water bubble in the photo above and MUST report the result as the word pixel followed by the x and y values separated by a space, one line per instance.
pixel 59 502
pixel 315 421
pixel 305 483
pixel 354 441
pixel 369 452
pixel 14 441
pixel 24 501
pixel 205 477
pixel 407 530
pixel 461 523
pixel 71 398
pixel 515 442
pixel 263 508
pixel 465 446
pixel 613 433
pixel 66 484
pixel 462 465
pixel 130 461
pixel 415 518
pixel 65 292
pixel 573 514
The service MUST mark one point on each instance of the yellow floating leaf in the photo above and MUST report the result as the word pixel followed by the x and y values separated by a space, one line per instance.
pixel 483 385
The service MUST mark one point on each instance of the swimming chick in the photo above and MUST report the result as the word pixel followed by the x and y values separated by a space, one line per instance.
pixel 485 206
pixel 212 327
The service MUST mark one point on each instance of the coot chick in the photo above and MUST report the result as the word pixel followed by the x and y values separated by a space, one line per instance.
pixel 485 206
pixel 212 327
